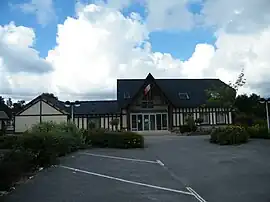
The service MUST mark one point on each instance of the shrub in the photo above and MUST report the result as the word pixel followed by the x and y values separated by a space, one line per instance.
pixel 62 128
pixel 199 121
pixel 40 146
pixel 260 122
pixel 188 128
pixel 258 131
pixel 13 165
pixel 244 120
pixel 91 125
pixel 114 123
pixel 116 139
pixel 49 146
pixel 229 136
pixel 8 142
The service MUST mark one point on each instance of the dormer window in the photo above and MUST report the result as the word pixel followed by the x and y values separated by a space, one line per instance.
pixel 183 96
pixel 126 95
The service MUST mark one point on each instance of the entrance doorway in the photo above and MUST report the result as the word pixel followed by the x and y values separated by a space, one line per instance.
pixel 149 121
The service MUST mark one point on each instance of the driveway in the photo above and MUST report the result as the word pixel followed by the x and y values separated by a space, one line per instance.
pixel 170 168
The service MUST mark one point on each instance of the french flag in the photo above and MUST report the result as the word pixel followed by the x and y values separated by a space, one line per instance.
pixel 147 89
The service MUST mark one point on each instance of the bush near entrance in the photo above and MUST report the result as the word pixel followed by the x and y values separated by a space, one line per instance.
pixel 258 131
pixel 229 135
pixel 238 134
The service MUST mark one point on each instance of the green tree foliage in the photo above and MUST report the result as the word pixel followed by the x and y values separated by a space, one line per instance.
pixel 2 100
pixel 17 106
pixel 250 106
pixel 50 95
pixel 9 102
pixel 225 95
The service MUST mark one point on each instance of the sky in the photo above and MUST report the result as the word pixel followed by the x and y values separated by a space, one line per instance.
pixel 77 49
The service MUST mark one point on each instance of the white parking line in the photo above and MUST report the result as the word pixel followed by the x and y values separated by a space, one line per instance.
pixel 128 181
pixel 160 163
pixel 195 194
pixel 120 158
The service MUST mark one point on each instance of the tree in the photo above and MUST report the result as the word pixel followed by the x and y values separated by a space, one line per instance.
pixel 18 106
pixel 225 95
pixel 2 100
pixel 9 102
pixel 250 105
pixel 50 95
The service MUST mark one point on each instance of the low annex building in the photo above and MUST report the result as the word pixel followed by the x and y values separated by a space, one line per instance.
pixel 5 117
pixel 142 105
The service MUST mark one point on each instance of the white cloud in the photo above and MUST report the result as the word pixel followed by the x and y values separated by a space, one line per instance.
pixel 43 9
pixel 169 15
pixel 20 64
pixel 161 14
pixel 249 51
pixel 16 50
pixel 100 45
pixel 237 16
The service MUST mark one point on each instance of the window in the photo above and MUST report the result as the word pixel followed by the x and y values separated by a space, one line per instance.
pixel 183 96
pixel 126 95
pixel 205 117
pixel 221 117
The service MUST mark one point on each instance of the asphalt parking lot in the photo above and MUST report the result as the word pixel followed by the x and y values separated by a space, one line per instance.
pixel 170 168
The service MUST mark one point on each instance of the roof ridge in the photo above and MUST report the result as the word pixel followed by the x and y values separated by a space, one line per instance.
pixel 170 79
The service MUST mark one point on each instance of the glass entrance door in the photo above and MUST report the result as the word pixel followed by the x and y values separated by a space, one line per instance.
pixel 146 122
pixel 151 121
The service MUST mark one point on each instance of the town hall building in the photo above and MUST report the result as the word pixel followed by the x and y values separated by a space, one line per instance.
pixel 142 105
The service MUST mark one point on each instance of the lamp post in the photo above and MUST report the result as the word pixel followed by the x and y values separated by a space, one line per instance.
pixel 266 102
pixel 71 105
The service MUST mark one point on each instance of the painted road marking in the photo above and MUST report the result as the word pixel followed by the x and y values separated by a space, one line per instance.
pixel 195 194
pixel 120 158
pixel 127 181
pixel 160 163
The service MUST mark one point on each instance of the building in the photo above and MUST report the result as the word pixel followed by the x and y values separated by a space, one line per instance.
pixel 142 105
pixel 5 118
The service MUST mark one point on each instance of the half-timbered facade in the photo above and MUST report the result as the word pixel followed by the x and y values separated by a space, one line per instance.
pixel 142 105
pixel 167 103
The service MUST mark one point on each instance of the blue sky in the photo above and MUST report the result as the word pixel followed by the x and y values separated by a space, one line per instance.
pixel 180 44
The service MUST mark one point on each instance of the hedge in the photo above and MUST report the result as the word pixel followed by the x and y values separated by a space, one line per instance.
pixel 8 141
pixel 187 128
pixel 258 131
pixel 229 135
pixel 114 139
pixel 13 165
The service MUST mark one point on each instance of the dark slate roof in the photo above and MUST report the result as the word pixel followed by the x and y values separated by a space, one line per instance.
pixel 97 107
pixel 171 88
pixel 55 102
pixel 3 115
pixel 5 111
pixel 87 107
